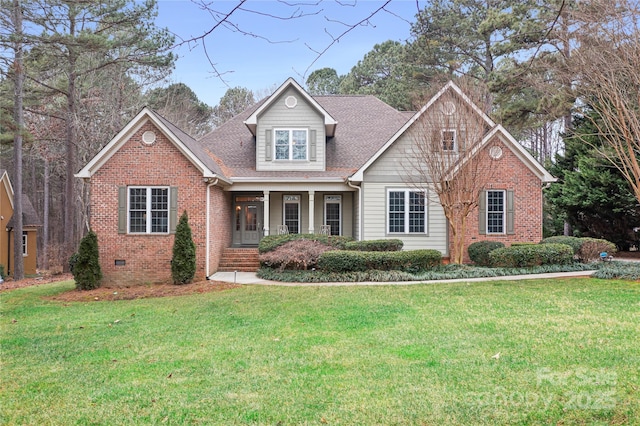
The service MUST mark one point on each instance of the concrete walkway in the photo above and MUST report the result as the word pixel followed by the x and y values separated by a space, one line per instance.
pixel 251 278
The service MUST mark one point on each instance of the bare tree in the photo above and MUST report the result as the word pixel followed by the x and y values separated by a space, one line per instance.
pixel 448 159
pixel 607 66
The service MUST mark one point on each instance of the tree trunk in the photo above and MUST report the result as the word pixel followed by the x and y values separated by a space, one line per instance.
pixel 70 151
pixel 45 216
pixel 18 115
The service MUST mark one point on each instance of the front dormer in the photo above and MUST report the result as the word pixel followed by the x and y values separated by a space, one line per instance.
pixel 291 130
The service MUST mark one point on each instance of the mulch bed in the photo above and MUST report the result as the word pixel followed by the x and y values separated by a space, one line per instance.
pixel 119 293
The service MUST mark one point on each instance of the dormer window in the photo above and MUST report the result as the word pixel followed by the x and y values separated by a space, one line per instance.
pixel 448 140
pixel 291 144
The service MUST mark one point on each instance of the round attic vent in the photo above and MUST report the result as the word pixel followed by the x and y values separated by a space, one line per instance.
pixel 291 102
pixel 448 108
pixel 495 152
pixel 148 137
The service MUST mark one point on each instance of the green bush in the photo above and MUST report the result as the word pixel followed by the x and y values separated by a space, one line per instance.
pixel 531 255
pixel 183 260
pixel 271 242
pixel 2 271
pixel 86 263
pixel 375 245
pixel 479 251
pixel 573 242
pixel 354 261
pixel 591 248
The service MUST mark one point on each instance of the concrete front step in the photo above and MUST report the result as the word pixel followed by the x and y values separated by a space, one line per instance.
pixel 239 259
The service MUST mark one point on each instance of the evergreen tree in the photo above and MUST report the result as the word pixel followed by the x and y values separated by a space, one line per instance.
pixel 183 261
pixel 85 264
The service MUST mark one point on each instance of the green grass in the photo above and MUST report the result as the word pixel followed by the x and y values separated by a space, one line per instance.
pixel 569 354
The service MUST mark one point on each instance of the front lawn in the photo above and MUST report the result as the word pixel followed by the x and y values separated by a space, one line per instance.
pixel 530 352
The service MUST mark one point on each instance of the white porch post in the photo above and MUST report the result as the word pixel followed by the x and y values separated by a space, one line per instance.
pixel 265 214
pixel 312 196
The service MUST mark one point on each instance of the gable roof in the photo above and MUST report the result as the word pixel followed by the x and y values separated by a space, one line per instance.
pixel 329 122
pixel 450 86
pixel 366 123
pixel 29 216
pixel 189 147
pixel 520 152
pixel 4 178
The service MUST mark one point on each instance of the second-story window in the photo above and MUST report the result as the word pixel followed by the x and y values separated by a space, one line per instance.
pixel 291 144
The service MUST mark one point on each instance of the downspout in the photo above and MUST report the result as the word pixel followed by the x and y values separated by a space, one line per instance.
pixel 207 250
pixel 360 225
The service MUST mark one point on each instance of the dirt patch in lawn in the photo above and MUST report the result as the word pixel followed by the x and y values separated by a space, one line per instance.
pixel 119 293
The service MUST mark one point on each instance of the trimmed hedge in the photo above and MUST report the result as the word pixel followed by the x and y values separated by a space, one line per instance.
pixel 375 245
pixel 573 242
pixel 531 255
pixel 271 242
pixel 297 254
pixel 479 251
pixel 360 261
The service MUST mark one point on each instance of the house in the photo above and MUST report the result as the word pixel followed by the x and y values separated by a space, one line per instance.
pixel 293 163
pixel 30 224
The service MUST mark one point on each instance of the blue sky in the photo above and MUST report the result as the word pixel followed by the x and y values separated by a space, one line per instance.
pixel 283 47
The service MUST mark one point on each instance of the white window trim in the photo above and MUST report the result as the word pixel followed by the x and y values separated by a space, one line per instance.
pixel 148 211
pixel 455 140
pixel 338 201
pixel 504 212
pixel 294 201
pixel 290 130
pixel 406 212
pixel 25 240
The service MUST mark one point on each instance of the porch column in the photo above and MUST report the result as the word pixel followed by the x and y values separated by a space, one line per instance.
pixel 265 213
pixel 312 196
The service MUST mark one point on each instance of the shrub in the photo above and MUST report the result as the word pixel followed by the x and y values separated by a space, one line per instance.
pixel 360 261
pixel 591 248
pixel 2 271
pixel 183 260
pixel 479 251
pixel 375 245
pixel 271 242
pixel 573 242
pixel 86 263
pixel 297 254
pixel 531 255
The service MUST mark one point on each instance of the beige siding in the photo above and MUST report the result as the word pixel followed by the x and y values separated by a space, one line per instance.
pixel 302 116
pixel 375 220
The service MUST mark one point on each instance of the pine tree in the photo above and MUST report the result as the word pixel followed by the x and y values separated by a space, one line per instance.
pixel 183 261
pixel 85 265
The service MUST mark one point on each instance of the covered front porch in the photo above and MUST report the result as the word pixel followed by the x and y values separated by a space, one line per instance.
pixel 275 211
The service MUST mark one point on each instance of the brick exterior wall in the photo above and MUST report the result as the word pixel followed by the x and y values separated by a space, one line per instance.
pixel 148 257
pixel 509 173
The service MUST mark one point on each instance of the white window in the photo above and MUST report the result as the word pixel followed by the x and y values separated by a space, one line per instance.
pixel 495 212
pixel 24 243
pixel 406 212
pixel 148 210
pixel 291 213
pixel 333 213
pixel 291 144
pixel 449 140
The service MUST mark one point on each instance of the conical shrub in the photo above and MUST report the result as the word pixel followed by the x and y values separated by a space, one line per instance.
pixel 85 264
pixel 183 261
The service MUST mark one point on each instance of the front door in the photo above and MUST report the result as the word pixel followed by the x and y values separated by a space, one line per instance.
pixel 249 221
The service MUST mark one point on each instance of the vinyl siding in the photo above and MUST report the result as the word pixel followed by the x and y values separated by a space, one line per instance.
pixel 302 116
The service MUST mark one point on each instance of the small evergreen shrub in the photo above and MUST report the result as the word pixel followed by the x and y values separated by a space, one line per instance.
pixel 271 242
pixel 531 255
pixel 297 254
pixel 86 263
pixel 360 261
pixel 479 251
pixel 375 245
pixel 574 242
pixel 2 272
pixel 183 260
pixel 591 248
